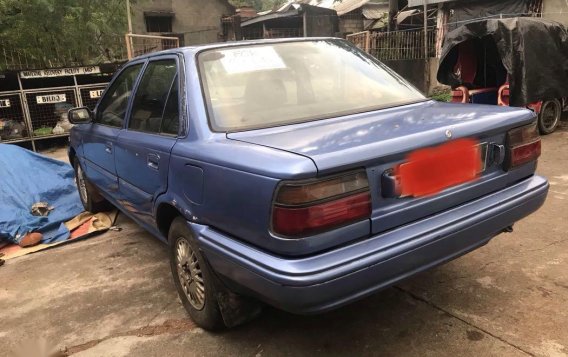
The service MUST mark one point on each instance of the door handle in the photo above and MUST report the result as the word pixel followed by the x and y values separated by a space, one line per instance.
pixel 153 161
pixel 108 148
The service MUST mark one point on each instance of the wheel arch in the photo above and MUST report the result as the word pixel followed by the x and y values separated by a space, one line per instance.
pixel 165 215
pixel 71 154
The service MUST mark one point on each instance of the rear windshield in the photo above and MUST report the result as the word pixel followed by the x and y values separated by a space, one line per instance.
pixel 259 86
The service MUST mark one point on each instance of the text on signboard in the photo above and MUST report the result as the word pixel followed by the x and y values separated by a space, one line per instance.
pixel 51 98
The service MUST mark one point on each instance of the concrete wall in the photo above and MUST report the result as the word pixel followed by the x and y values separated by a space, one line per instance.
pixel 198 20
pixel 411 70
pixel 434 85
pixel 138 23
pixel 552 8
pixel 351 22
pixel 415 72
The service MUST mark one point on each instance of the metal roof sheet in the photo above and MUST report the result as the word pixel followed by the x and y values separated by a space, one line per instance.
pixel 412 3
pixel 403 15
pixel 373 11
pixel 341 7
pixel 346 6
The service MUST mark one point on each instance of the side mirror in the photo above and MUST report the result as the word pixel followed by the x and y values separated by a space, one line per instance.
pixel 81 115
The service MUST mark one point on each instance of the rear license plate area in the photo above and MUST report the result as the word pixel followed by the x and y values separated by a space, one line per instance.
pixel 429 171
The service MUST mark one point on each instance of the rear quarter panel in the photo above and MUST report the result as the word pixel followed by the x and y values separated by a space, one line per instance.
pixel 229 186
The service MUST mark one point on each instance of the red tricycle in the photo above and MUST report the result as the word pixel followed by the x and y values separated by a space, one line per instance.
pixel 520 62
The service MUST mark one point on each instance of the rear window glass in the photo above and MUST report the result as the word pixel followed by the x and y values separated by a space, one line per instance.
pixel 267 85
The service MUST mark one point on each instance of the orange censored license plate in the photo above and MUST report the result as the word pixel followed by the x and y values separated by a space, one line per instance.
pixel 429 171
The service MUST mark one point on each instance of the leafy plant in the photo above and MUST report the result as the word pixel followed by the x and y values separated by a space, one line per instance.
pixel 444 95
pixel 259 5
pixel 67 32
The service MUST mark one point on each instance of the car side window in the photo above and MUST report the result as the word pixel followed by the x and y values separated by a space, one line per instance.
pixel 112 108
pixel 170 121
pixel 154 99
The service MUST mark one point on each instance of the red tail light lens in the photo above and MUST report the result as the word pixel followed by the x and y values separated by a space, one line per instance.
pixel 524 145
pixel 311 207
pixel 305 220
pixel 525 153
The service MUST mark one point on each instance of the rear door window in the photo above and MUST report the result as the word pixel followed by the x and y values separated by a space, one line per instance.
pixel 170 119
pixel 155 105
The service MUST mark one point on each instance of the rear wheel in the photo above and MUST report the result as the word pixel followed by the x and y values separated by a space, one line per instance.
pixel 193 278
pixel 549 116
pixel 90 198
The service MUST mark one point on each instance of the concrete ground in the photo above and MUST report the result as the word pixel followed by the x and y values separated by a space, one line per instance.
pixel 112 295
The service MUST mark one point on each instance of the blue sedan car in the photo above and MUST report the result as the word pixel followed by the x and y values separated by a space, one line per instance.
pixel 299 173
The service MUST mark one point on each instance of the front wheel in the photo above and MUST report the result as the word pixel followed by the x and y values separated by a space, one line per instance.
pixel 549 116
pixel 194 280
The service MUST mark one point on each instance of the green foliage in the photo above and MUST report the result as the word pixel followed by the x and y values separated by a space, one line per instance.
pixel 259 5
pixel 67 32
pixel 56 33
pixel 443 95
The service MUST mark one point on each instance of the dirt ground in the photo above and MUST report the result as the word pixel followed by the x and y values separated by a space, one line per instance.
pixel 112 295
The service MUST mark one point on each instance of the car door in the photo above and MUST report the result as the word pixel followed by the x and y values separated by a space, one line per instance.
pixel 142 152
pixel 99 138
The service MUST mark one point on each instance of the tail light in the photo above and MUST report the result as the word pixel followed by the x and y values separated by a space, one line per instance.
pixel 309 207
pixel 523 146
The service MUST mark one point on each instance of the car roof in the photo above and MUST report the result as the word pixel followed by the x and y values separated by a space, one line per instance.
pixel 192 50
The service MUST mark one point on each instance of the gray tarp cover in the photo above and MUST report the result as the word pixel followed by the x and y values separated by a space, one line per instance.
pixel 467 10
pixel 534 53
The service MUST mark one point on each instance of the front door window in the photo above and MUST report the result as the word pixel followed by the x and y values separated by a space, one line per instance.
pixel 112 109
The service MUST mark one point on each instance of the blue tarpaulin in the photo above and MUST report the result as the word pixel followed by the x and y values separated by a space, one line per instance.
pixel 27 178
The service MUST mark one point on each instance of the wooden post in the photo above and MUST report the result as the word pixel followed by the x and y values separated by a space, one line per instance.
pixel 393 10
pixel 426 29
pixel 426 61
pixel 26 111
pixel 128 16
pixel 127 39
pixel 305 24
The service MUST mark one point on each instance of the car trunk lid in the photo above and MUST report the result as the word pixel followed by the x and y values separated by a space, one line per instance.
pixel 379 141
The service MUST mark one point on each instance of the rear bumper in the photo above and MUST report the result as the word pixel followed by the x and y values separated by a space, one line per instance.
pixel 334 278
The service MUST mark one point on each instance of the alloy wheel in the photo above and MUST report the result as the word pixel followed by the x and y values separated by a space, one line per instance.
pixel 190 274
pixel 550 115
pixel 82 185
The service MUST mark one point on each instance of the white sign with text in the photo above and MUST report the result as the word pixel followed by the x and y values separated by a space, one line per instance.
pixel 60 72
pixel 94 94
pixel 251 59
pixel 51 98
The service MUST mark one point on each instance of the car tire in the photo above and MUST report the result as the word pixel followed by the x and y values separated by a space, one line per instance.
pixel 549 116
pixel 195 281
pixel 90 198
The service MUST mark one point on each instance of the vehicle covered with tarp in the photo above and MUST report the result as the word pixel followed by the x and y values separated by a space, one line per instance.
pixel 37 195
pixel 520 61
